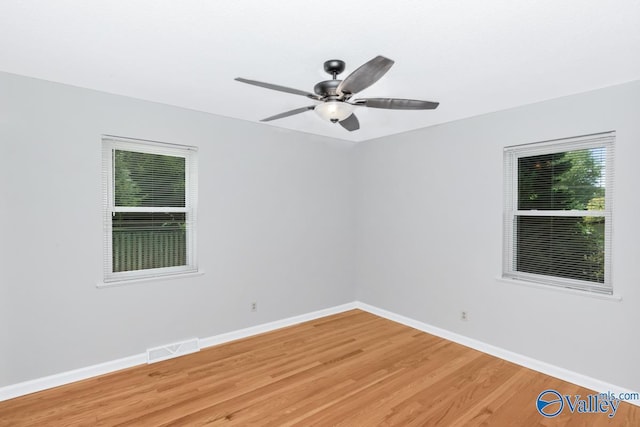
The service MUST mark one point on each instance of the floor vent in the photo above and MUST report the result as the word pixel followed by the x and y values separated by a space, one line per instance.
pixel 170 351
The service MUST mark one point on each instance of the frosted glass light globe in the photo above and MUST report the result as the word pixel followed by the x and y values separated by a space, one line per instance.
pixel 334 111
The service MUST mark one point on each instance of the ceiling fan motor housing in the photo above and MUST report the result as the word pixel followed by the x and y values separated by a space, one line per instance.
pixel 327 88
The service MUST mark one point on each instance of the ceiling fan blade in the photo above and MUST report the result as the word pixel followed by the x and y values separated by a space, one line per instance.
pixel 366 75
pixel 351 123
pixel 397 104
pixel 289 113
pixel 278 88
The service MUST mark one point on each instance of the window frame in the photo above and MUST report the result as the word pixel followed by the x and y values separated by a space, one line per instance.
pixel 510 214
pixel 109 145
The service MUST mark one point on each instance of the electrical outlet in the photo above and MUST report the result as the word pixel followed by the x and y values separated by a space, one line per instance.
pixel 254 306
pixel 464 316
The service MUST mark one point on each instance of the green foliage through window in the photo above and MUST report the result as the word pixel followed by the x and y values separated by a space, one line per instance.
pixel 562 246
pixel 149 180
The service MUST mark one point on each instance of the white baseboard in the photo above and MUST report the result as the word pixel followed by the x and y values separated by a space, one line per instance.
pixel 518 359
pixel 39 384
pixel 272 326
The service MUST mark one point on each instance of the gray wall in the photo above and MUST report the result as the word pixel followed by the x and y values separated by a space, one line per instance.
pixel 429 235
pixel 276 227
pixel 410 223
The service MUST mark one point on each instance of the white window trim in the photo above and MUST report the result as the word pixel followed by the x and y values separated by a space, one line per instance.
pixel 561 290
pixel 511 156
pixel 111 143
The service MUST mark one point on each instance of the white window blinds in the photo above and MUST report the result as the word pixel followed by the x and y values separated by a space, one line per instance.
pixel 150 197
pixel 558 212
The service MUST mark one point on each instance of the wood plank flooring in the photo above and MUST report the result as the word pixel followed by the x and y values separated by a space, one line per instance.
pixel 350 369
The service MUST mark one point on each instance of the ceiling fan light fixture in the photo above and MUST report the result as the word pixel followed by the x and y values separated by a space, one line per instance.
pixel 334 111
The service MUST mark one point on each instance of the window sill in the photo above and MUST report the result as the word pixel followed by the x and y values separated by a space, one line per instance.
pixel 149 279
pixel 614 297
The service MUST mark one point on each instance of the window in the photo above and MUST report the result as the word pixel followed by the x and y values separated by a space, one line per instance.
pixel 150 192
pixel 557 213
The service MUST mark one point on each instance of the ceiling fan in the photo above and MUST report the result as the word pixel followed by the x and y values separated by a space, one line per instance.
pixel 335 95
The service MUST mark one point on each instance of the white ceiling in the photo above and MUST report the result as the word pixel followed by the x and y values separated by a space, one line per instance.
pixel 472 56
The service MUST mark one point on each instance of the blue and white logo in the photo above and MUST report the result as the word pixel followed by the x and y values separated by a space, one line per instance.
pixel 549 403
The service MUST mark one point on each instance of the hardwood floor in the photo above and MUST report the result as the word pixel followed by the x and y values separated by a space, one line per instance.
pixel 350 369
